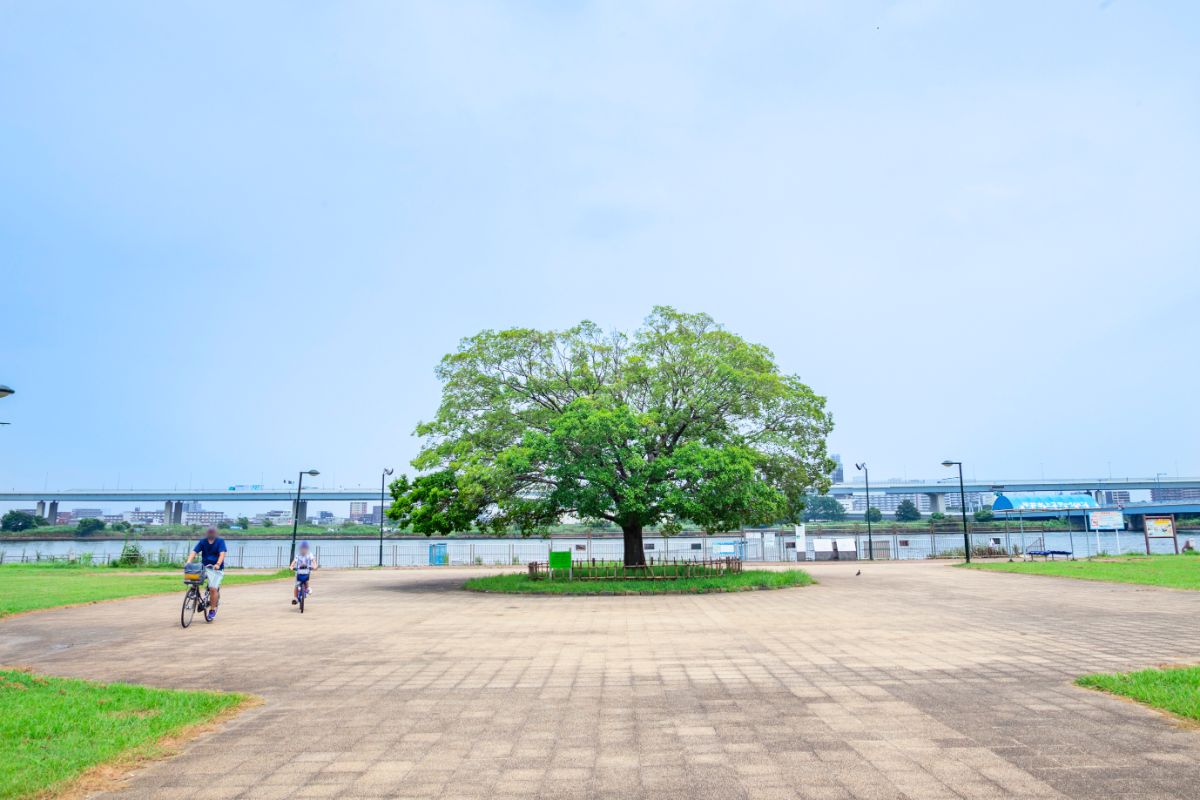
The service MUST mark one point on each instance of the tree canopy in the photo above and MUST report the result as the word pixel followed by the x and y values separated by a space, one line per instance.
pixel 907 511
pixel 823 507
pixel 678 422
pixel 14 521
pixel 89 525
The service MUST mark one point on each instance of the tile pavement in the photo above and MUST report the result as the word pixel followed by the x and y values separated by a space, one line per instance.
pixel 914 680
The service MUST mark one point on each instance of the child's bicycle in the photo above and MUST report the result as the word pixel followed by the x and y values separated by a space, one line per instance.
pixel 196 598
pixel 302 586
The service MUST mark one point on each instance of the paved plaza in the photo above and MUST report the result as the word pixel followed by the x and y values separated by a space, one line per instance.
pixel 913 680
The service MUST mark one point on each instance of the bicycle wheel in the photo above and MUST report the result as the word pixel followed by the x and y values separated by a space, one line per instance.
pixel 303 594
pixel 189 608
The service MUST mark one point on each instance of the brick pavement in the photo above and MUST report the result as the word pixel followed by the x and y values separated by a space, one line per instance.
pixel 915 680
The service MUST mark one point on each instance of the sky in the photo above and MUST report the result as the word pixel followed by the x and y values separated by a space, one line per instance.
pixel 236 238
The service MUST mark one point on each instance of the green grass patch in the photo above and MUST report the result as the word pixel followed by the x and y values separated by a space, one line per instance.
pixel 53 729
pixel 29 587
pixel 1176 689
pixel 751 579
pixel 1176 572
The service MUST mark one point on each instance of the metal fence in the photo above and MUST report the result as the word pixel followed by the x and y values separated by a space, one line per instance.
pixel 752 546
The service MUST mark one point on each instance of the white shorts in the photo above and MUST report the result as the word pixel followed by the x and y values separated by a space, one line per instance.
pixel 214 576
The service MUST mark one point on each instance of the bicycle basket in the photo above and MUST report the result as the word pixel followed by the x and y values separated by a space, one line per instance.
pixel 193 573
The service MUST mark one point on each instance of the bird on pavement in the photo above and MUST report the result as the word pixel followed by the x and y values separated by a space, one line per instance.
pixel 858 573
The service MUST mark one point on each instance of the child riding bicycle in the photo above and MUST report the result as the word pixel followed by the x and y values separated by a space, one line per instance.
pixel 303 565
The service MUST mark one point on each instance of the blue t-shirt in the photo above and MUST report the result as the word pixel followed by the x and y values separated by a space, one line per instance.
pixel 209 552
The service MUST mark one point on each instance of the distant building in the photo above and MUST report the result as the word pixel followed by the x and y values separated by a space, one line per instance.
pixel 64 518
pixel 1166 495
pixel 81 513
pixel 203 517
pixel 140 517
pixel 975 501
pixel 358 510
pixel 888 503
pixel 192 505
pixel 838 474
pixel 1116 497
pixel 376 515
pixel 111 518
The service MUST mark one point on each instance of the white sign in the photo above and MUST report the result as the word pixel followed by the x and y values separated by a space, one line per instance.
pixel 1106 520
pixel 801 543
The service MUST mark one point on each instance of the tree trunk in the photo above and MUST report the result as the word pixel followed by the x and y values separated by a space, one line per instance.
pixel 635 554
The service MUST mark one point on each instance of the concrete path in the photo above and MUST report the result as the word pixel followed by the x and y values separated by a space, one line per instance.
pixel 914 680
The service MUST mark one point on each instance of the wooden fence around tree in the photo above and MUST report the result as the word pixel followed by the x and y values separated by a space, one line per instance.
pixel 664 570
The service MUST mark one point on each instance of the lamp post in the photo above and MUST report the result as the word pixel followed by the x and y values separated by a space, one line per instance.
pixel 5 391
pixel 962 500
pixel 870 542
pixel 382 485
pixel 296 511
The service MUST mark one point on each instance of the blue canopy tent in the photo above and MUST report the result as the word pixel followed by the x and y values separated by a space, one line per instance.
pixel 1043 505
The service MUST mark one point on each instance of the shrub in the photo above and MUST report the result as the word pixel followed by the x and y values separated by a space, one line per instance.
pixel 131 555
pixel 874 514
pixel 89 525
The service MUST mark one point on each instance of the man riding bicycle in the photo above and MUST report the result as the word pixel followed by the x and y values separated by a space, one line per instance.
pixel 211 550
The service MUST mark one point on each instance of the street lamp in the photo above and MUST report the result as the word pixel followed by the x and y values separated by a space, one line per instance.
pixel 296 511
pixel 870 543
pixel 5 391
pixel 382 485
pixel 962 500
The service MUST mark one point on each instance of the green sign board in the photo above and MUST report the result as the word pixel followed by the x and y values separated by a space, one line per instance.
pixel 560 559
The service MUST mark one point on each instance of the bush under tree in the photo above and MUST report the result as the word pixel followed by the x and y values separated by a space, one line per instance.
pixel 874 514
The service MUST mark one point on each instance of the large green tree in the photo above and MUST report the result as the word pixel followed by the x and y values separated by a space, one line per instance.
pixel 678 422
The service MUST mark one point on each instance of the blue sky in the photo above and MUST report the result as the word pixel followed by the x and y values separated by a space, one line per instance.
pixel 235 238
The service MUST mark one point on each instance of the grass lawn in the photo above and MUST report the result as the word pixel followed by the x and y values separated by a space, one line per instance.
pixel 1176 572
pixel 26 587
pixel 750 579
pixel 1176 690
pixel 53 729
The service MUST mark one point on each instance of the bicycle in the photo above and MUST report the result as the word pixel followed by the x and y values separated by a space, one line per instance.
pixel 195 577
pixel 302 586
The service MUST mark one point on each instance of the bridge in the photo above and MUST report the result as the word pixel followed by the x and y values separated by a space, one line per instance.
pixel 48 500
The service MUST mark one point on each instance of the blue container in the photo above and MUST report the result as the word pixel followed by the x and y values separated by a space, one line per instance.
pixel 437 555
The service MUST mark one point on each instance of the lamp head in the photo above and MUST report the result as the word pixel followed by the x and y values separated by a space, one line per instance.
pixel 861 466
pixel 312 472
pixel 948 463
pixel 388 471
pixel 5 391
